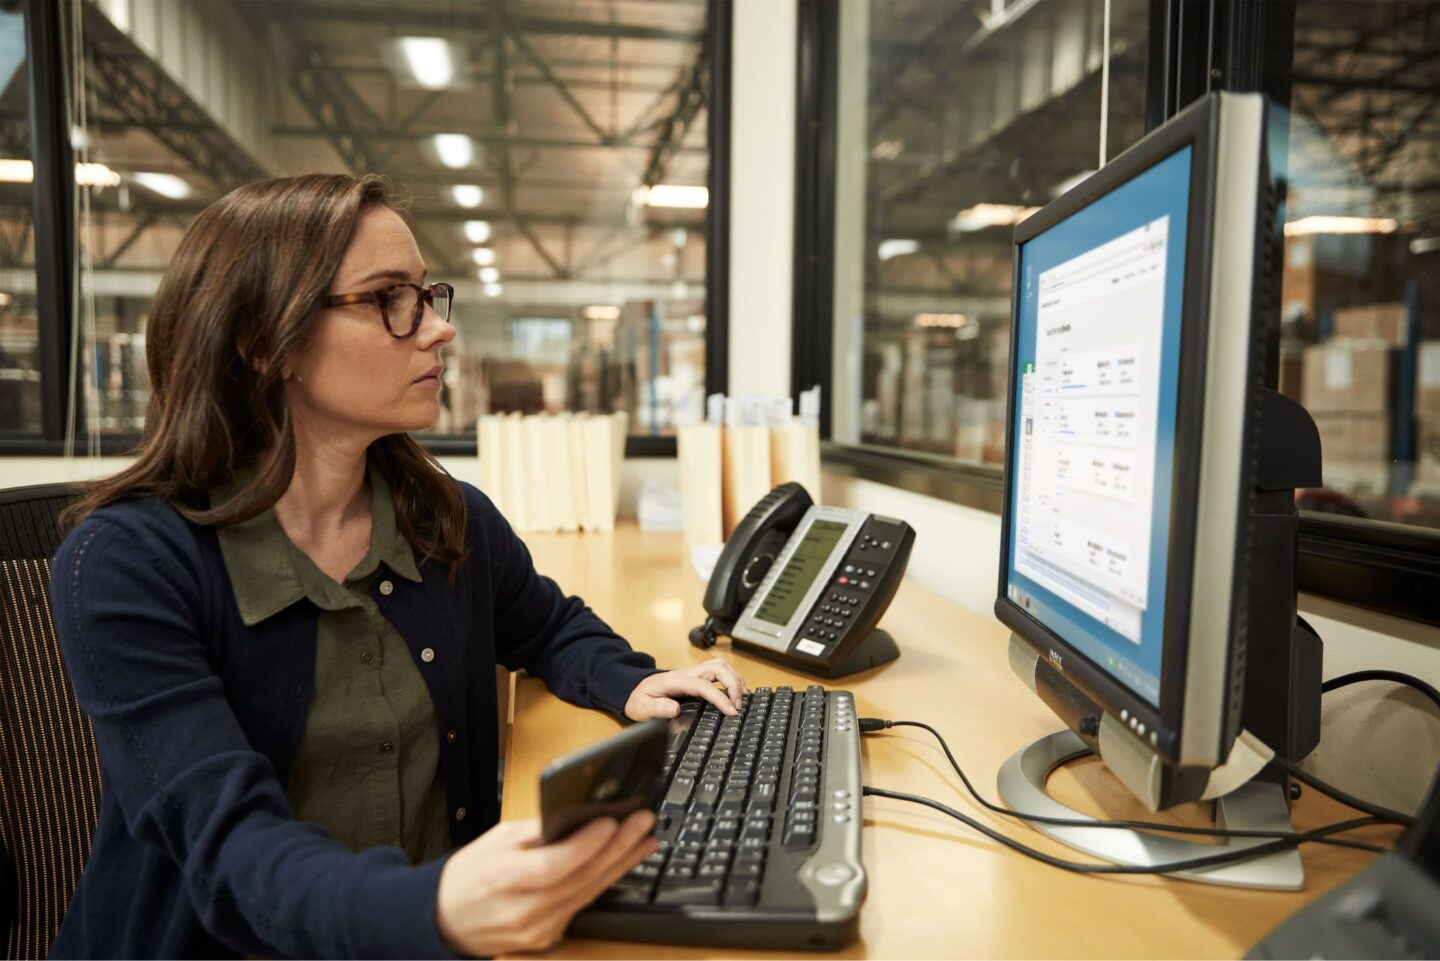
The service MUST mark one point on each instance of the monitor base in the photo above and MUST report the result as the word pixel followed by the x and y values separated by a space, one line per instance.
pixel 1255 806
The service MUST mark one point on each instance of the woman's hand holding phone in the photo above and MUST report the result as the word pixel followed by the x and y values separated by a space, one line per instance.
pixel 505 891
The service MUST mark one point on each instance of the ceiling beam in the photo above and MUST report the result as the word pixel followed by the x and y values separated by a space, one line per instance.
pixel 475 17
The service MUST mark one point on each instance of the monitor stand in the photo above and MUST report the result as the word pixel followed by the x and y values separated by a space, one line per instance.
pixel 1254 806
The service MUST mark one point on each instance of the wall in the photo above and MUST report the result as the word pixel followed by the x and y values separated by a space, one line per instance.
pixel 762 190
pixel 1378 741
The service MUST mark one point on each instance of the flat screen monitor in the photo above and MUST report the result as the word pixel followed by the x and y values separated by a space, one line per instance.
pixel 1136 374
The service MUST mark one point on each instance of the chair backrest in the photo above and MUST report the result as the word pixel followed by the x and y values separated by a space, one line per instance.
pixel 49 769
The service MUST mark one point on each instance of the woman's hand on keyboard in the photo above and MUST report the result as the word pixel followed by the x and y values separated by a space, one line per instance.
pixel 505 891
pixel 655 696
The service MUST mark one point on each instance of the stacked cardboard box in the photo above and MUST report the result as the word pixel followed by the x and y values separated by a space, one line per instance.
pixel 1348 387
pixel 1427 412
pixel 1385 322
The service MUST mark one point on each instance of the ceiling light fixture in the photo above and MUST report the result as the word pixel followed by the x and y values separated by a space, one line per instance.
pixel 897 247
pixel 478 232
pixel 166 185
pixel 429 61
pixel 86 174
pixel 982 216
pixel 489 275
pixel 673 195
pixel 1306 226
pixel 493 290
pixel 456 150
pixel 483 256
pixel 941 320
pixel 467 195
pixel 600 312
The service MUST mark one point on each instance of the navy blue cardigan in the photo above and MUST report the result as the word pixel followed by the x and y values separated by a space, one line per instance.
pixel 197 719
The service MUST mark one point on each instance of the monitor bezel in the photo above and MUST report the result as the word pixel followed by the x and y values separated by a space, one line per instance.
pixel 1197 128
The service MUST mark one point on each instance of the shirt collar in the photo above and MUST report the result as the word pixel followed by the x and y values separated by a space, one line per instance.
pixel 268 573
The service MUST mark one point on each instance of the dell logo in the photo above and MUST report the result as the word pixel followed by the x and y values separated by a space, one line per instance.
pixel 1055 660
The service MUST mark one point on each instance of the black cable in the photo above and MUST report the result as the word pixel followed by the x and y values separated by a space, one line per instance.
pixel 1394 676
pixel 871 725
pixel 1189 864
pixel 1375 810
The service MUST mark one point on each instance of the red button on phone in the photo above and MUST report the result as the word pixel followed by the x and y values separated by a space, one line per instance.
pixel 843 580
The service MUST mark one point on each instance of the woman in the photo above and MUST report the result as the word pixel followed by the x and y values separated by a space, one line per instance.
pixel 283 621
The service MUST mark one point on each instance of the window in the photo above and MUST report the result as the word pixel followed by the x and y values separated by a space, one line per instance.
pixel 951 121
pixel 957 121
pixel 1360 304
pixel 19 320
pixel 556 155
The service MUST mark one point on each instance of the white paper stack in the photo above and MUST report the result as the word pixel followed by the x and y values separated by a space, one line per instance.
pixel 553 472
pixel 698 448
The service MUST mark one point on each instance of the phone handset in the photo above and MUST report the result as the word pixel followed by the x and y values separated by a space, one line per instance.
pixel 748 555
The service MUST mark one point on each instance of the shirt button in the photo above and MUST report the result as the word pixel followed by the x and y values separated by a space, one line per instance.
pixel 367 658
pixel 427 655
pixel 387 748
pixel 460 814
pixel 386 588
pixel 451 736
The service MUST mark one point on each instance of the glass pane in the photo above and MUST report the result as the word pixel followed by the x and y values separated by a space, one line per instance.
pixel 556 163
pixel 19 319
pixel 960 120
pixel 1361 282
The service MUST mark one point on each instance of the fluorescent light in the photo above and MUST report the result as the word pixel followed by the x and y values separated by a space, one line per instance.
pixel 96 175
pixel 1306 226
pixel 895 247
pixel 493 290
pixel 483 256
pixel 941 320
pixel 489 275
pixel 1424 245
pixel 600 312
pixel 455 149
pixel 166 185
pixel 467 195
pixel 673 195
pixel 86 174
pixel 981 216
pixel 477 232
pixel 429 61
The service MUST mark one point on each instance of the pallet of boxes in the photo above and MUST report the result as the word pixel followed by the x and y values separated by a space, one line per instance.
pixel 1350 386
pixel 1427 414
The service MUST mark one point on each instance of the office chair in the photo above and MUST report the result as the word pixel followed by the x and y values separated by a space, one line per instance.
pixel 49 769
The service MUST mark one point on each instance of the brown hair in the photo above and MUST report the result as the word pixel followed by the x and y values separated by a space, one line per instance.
pixel 247 281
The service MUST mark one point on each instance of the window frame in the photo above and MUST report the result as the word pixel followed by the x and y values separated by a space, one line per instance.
pixel 1248 46
pixel 57 239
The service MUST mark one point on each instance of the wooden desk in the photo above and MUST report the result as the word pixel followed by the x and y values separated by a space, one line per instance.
pixel 936 888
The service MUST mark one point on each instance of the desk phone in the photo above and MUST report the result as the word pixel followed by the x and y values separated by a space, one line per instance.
pixel 805 584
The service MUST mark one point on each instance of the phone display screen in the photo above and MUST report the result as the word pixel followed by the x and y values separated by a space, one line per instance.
pixel 804 566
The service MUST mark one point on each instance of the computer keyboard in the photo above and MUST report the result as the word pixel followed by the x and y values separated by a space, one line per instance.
pixel 759 831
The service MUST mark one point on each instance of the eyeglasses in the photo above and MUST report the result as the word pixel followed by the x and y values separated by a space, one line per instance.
pixel 402 306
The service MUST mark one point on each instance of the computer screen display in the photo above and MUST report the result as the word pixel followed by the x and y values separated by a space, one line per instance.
pixel 1096 372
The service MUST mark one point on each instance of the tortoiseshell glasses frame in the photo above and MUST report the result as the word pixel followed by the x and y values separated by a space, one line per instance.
pixel 397 299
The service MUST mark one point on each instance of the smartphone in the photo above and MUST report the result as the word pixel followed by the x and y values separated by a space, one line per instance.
pixel 612 778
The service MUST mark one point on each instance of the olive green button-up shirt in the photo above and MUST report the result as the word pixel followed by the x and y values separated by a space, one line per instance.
pixel 367 766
